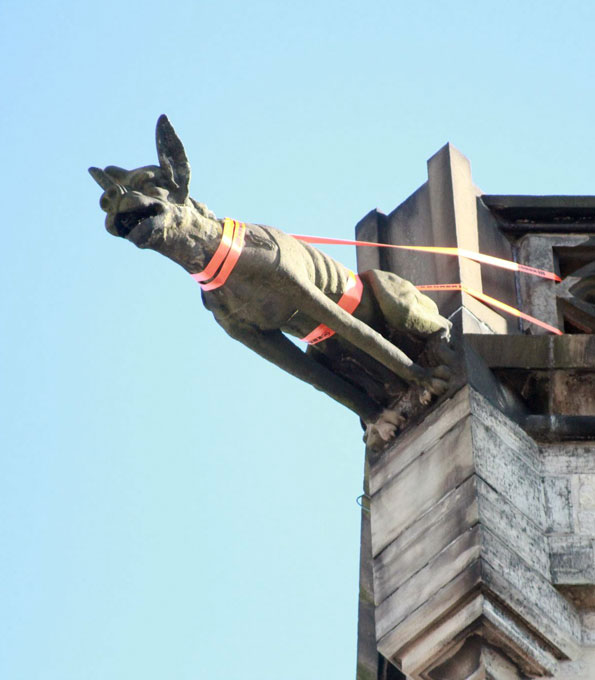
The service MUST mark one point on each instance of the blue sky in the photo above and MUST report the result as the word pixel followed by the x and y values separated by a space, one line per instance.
pixel 171 506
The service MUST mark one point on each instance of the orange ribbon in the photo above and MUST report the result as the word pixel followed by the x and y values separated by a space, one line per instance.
pixel 348 301
pixel 225 257
pixel 492 301
pixel 230 248
pixel 461 252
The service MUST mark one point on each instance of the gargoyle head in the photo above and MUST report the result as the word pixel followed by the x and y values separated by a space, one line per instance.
pixel 142 204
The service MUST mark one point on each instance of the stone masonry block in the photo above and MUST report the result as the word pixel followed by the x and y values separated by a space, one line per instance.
pixel 587 492
pixel 558 499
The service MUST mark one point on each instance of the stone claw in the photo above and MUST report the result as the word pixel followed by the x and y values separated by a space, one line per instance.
pixel 425 397
pixel 386 431
pixel 435 383
pixel 438 386
pixel 384 428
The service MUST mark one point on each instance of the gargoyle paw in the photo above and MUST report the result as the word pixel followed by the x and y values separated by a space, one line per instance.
pixel 437 382
pixel 425 397
pixel 384 428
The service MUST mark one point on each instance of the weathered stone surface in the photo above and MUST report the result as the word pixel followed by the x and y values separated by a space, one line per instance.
pixel 583 668
pixel 475 660
pixel 549 428
pixel 563 214
pixel 415 441
pixel 572 559
pixel 463 503
pixel 369 229
pixel 538 294
pixel 558 497
pixel 414 491
pixel 485 382
pixel 533 352
pixel 441 570
pixel 446 600
pixel 454 212
pixel 436 653
pixel 471 503
pixel 572 392
pixel 483 516
pixel 498 283
pixel 532 598
pixel 443 212
pixel 504 630
pixel 507 430
pixel 586 494
pixel 416 658
pixel 568 459
pixel 546 300
pixel 456 512
pixel 510 579
pixel 367 654
pixel 482 625
pixel 411 224
pixel 506 469
pixel 517 531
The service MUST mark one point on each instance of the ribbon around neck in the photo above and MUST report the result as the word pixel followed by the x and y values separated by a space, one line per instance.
pixel 225 258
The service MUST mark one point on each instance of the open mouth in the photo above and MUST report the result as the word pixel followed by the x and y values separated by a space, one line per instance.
pixel 125 222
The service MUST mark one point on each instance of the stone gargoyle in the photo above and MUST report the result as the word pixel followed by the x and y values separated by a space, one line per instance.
pixel 278 285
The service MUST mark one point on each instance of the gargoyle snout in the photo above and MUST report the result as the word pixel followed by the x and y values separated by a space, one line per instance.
pixel 113 191
pixel 110 200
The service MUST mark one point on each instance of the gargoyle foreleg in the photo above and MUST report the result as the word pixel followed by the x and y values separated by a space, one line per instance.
pixel 279 350
pixel 314 303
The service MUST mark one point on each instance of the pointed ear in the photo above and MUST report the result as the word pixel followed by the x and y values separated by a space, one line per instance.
pixel 172 157
pixel 119 174
pixel 105 181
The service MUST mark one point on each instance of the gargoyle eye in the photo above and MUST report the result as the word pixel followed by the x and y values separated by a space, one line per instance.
pixel 141 180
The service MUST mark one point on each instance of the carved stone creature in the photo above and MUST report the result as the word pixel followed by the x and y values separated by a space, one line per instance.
pixel 282 285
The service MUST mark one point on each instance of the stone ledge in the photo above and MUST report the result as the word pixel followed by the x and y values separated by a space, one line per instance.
pixel 533 352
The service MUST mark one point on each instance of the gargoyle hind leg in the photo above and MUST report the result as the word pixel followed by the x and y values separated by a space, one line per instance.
pixel 279 350
pixel 404 307
pixel 314 303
